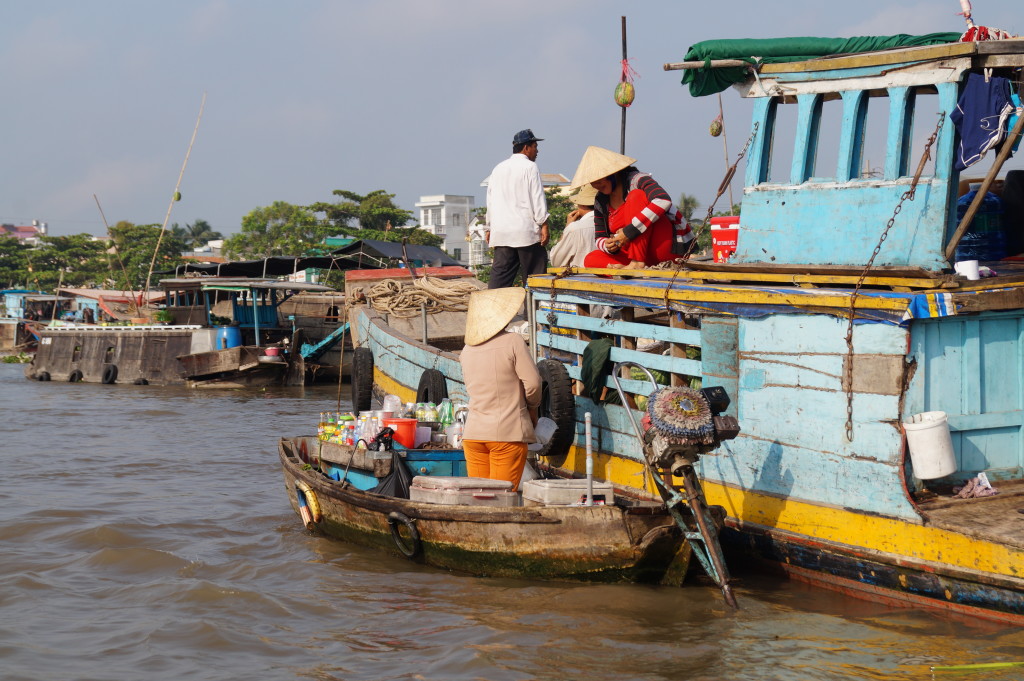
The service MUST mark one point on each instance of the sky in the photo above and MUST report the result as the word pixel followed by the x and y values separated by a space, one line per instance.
pixel 99 99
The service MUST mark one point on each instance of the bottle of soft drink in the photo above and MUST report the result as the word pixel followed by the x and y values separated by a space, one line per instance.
pixel 350 434
pixel 446 413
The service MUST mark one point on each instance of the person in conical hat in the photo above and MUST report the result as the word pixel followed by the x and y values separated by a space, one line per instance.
pixel 577 238
pixel 503 386
pixel 635 223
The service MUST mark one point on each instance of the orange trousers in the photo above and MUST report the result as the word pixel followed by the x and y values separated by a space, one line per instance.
pixel 495 460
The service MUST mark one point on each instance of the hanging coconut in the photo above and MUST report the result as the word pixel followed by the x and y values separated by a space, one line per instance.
pixel 624 93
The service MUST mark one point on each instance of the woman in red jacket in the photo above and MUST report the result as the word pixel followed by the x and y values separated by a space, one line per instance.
pixel 635 223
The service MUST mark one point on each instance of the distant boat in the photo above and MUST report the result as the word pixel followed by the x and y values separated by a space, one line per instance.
pixel 220 332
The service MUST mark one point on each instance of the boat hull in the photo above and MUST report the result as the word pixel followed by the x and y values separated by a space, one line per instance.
pixel 144 354
pixel 890 579
pixel 597 543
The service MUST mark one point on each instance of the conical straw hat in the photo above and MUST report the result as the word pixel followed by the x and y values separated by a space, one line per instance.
pixel 490 311
pixel 597 163
pixel 585 196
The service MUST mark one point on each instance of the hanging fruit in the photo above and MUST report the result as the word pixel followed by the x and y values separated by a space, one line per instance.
pixel 177 196
pixel 716 126
pixel 624 94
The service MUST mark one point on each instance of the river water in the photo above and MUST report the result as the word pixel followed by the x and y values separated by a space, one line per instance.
pixel 145 533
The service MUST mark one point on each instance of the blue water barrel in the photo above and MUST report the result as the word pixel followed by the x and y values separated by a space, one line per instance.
pixel 985 239
pixel 228 337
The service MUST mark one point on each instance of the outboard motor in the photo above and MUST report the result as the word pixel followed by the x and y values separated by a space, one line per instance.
pixel 683 423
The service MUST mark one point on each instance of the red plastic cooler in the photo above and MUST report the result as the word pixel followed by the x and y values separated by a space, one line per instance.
pixel 725 231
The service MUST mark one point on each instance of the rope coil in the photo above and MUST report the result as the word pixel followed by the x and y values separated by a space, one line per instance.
pixel 404 300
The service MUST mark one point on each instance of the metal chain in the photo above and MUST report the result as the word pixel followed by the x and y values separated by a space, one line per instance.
pixel 722 187
pixel 907 196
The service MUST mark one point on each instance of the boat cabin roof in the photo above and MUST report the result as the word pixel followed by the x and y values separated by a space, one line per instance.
pixel 239 284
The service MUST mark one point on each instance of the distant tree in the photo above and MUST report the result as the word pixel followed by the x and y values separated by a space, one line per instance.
pixel 369 216
pixel 199 233
pixel 179 232
pixel 278 229
pixel 559 207
pixel 135 246
pixel 14 263
pixel 72 261
pixel 687 204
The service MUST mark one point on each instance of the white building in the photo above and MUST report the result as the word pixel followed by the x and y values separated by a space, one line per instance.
pixel 448 216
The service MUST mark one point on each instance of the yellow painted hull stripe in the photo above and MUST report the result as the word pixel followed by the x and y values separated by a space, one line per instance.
pixel 727 294
pixel 895 537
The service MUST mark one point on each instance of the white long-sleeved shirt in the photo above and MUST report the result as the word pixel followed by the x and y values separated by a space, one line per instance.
pixel 576 242
pixel 516 206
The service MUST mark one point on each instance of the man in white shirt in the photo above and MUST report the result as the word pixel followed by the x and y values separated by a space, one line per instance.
pixel 517 214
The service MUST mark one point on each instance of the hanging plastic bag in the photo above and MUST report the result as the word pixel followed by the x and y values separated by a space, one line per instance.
pixel 397 482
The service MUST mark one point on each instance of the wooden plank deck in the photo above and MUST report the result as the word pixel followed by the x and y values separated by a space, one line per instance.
pixel 999 518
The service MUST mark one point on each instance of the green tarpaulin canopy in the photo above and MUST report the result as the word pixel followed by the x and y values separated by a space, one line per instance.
pixel 708 80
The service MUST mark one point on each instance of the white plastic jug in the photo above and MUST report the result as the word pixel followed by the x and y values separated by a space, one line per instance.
pixel 544 429
pixel 931 447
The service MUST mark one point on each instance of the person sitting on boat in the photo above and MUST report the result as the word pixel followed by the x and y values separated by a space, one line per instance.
pixel 635 223
pixel 503 386
pixel 578 236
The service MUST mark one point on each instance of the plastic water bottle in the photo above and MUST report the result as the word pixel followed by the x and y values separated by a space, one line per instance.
pixel 446 413
pixel 985 239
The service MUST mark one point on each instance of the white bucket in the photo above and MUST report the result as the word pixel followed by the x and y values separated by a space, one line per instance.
pixel 931 447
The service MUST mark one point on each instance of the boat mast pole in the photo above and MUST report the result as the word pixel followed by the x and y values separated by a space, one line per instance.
pixel 174 197
pixel 622 135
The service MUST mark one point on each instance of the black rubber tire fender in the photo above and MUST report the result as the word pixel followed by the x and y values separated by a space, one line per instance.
pixel 414 545
pixel 75 377
pixel 43 376
pixel 557 403
pixel 432 387
pixel 362 379
pixel 109 374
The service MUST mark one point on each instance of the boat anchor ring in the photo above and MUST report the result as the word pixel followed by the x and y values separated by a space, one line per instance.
pixel 408 548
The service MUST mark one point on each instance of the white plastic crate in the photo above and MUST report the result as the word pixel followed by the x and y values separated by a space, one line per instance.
pixel 565 492
pixel 440 489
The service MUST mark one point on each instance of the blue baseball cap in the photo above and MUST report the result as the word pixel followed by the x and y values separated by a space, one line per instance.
pixel 525 137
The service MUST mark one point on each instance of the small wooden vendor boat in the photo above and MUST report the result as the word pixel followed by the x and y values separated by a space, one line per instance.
pixel 630 540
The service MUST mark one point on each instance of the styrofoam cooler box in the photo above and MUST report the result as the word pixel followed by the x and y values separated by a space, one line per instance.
pixel 565 492
pixel 203 340
pixel 441 489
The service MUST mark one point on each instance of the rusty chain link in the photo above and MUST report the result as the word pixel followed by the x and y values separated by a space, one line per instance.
pixel 907 196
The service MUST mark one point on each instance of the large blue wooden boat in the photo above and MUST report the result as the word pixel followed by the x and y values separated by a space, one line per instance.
pixel 828 337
